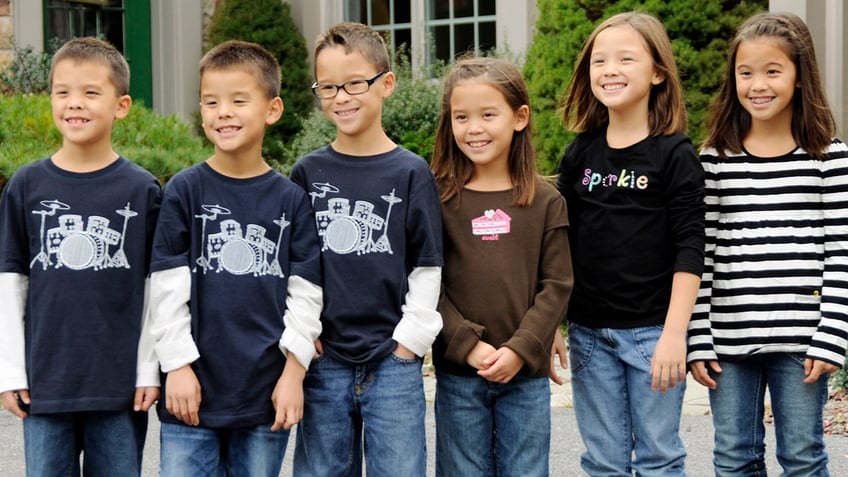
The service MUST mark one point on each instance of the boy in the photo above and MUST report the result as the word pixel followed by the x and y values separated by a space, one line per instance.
pixel 378 213
pixel 75 236
pixel 235 284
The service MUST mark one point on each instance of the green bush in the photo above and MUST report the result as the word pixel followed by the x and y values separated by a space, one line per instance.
pixel 27 73
pixel 410 117
pixel 270 24
pixel 700 31
pixel 161 144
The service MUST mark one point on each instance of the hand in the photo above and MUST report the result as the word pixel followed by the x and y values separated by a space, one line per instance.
pixel 813 369
pixel 501 366
pixel 319 348
pixel 702 375
pixel 182 395
pixel 478 354
pixel 403 352
pixel 287 397
pixel 668 365
pixel 558 349
pixel 10 402
pixel 145 397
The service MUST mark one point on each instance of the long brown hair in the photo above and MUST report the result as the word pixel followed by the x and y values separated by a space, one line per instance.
pixel 450 166
pixel 813 125
pixel 666 109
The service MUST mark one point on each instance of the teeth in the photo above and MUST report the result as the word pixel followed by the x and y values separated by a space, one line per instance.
pixel 760 100
pixel 228 129
pixel 612 87
pixel 76 121
pixel 346 113
pixel 478 143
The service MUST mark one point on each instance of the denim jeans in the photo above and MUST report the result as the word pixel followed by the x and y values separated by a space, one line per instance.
pixel 626 426
pixel 112 443
pixel 490 429
pixel 203 452
pixel 737 405
pixel 378 409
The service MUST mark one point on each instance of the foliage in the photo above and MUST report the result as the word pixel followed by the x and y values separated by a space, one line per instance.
pixel 699 41
pixel 27 73
pixel 161 144
pixel 410 117
pixel 270 24
pixel 839 380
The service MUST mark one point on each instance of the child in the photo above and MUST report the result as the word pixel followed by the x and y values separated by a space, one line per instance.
pixel 507 278
pixel 772 310
pixel 75 236
pixel 235 288
pixel 634 190
pixel 377 211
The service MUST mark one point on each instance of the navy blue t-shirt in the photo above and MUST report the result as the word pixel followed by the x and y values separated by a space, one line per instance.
pixel 378 218
pixel 83 239
pixel 242 239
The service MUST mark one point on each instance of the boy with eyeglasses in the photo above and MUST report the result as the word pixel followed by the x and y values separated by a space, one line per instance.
pixel 378 216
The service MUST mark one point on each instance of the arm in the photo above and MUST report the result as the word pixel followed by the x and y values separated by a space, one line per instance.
pixel 302 320
pixel 828 345
pixel 147 374
pixel 170 291
pixel 668 365
pixel 14 288
pixel 555 281
pixel 287 397
pixel 420 323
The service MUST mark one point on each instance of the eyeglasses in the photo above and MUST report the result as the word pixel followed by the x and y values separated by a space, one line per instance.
pixel 352 87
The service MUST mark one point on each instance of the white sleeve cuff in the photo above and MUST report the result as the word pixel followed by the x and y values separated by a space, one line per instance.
pixel 420 323
pixel 147 371
pixel 13 294
pixel 304 301
pixel 170 291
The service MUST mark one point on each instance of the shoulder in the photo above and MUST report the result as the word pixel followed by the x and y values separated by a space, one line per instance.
pixel 137 172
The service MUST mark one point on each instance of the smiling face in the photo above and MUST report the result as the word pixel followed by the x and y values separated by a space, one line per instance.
pixel 483 123
pixel 622 70
pixel 235 112
pixel 766 79
pixel 355 116
pixel 85 103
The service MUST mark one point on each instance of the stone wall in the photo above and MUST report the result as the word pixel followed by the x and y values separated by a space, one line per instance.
pixel 6 33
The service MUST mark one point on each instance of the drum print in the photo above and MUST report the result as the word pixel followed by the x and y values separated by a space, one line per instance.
pixel 345 235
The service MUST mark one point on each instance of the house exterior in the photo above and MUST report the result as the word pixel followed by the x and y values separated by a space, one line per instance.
pixel 163 39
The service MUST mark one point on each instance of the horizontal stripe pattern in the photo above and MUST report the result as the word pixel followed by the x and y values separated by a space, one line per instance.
pixel 776 270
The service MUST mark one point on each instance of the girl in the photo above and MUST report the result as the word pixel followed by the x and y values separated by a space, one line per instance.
pixel 772 310
pixel 507 278
pixel 634 190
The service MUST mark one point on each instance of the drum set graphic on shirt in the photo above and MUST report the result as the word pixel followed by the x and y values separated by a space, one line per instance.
pixel 79 245
pixel 235 251
pixel 345 231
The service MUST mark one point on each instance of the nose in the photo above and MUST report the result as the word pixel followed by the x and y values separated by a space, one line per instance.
pixel 224 110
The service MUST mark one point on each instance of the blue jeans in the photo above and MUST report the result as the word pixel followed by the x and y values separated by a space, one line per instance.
pixel 737 406
pixel 626 426
pixel 112 443
pixel 203 452
pixel 378 409
pixel 489 429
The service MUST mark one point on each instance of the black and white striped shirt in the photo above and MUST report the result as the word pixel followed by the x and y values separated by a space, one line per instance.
pixel 776 269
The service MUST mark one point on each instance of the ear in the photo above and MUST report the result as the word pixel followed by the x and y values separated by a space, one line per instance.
pixel 123 109
pixel 389 82
pixel 657 78
pixel 275 111
pixel 522 117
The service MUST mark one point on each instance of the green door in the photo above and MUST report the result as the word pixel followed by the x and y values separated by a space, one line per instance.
pixel 124 23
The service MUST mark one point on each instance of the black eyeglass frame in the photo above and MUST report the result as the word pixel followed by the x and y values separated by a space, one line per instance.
pixel 344 86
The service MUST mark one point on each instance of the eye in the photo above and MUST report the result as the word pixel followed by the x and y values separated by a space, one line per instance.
pixel 92 93
pixel 773 72
pixel 459 117
pixel 597 61
pixel 357 83
pixel 326 88
pixel 210 103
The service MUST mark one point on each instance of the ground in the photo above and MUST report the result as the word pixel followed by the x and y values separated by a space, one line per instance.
pixel 835 414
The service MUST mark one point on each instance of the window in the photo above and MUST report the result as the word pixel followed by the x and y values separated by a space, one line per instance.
pixel 460 26
pixel 107 19
pixel 99 18
pixel 392 18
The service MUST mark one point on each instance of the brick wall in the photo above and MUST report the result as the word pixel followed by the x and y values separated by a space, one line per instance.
pixel 6 33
